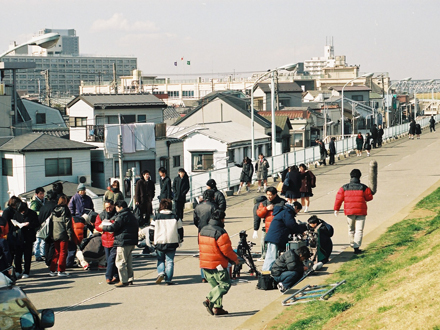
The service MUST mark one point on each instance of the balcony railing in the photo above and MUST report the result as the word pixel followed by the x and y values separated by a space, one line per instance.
pixel 95 133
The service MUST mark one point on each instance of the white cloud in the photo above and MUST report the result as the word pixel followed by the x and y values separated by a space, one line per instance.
pixel 119 23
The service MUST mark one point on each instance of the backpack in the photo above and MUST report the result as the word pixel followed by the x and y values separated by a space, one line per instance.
pixel 266 282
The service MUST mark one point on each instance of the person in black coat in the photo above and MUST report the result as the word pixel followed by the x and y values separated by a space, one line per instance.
pixel 24 226
pixel 144 194
pixel 432 124
pixel 332 150
pixel 374 135
pixel 165 185
pixel 293 183
pixel 8 215
pixel 322 232
pixel 180 189
pixel 204 210
pixel 380 133
pixel 418 130
pixel 322 151
pixel 126 229
pixel 45 212
pixel 412 129
pixel 289 268
pixel 246 173
pixel 219 198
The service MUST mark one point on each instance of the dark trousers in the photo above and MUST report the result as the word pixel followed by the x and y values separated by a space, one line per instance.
pixel 379 142
pixel 71 252
pixel 374 143
pixel 288 278
pixel 332 159
pixel 25 250
pixel 4 245
pixel 178 209
pixel 322 161
pixel 112 270
pixel 431 128
pixel 49 250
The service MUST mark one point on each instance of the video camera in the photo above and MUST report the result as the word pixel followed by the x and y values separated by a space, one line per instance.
pixel 244 254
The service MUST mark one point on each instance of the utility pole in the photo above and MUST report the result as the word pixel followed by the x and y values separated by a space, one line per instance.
pixel 121 175
pixel 46 77
pixel 115 81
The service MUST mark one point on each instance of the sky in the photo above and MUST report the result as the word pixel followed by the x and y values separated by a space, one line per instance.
pixel 240 36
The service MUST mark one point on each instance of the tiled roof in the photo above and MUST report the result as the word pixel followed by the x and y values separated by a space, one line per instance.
pixel 42 142
pixel 63 133
pixel 119 100
pixel 291 87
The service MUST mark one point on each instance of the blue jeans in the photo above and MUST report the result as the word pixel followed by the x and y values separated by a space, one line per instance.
pixel 112 271
pixel 288 278
pixel 165 263
pixel 271 256
pixel 39 247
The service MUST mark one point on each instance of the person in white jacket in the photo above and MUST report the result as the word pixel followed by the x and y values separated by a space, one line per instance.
pixel 168 234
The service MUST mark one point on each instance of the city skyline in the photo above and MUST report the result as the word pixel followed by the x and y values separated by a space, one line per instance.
pixel 240 36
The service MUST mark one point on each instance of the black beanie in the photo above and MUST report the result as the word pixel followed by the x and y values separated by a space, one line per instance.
pixel 211 184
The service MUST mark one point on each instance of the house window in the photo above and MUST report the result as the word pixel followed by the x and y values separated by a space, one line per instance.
pixel 231 155
pixel 7 167
pixel 142 119
pixel 79 121
pixel 128 119
pixel 58 166
pixel 202 161
pixel 358 98
pixel 176 161
pixel 298 140
pixel 187 94
pixel 40 118
pixel 97 167
pixel 173 94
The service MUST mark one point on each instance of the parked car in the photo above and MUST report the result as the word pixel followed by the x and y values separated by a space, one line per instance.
pixel 16 310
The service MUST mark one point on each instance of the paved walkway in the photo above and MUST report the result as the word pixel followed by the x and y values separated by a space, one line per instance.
pixel 406 170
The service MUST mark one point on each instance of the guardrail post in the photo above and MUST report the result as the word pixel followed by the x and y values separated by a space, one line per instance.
pixel 229 178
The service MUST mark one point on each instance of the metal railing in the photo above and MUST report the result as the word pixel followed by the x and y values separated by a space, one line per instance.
pixel 230 176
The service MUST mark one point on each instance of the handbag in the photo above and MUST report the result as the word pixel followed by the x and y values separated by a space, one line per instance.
pixel 280 186
pixel 266 282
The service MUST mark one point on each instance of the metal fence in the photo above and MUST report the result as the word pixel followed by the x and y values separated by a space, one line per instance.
pixel 230 176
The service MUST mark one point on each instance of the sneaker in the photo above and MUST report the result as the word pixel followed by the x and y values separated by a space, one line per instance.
pixel 160 278
pixel 208 306
pixel 358 251
pixel 121 285
pixel 51 273
pixel 63 274
pixel 259 188
pixel 281 287
pixel 86 267
pixel 25 276
pixel 102 267
pixel 220 311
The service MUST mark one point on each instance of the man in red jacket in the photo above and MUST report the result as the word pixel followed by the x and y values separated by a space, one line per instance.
pixel 355 195
pixel 215 254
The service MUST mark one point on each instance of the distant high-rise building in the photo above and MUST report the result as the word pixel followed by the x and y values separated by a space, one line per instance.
pixel 315 66
pixel 67 68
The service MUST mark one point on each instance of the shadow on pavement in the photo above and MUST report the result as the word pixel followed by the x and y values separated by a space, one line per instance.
pixel 83 307
pixel 249 313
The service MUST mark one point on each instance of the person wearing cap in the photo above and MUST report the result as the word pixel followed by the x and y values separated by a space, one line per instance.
pixel 219 198
pixel 80 203
pixel 355 196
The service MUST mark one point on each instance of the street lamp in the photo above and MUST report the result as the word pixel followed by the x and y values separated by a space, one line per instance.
pixel 365 75
pixel 287 67
pixel 47 40
pixel 388 96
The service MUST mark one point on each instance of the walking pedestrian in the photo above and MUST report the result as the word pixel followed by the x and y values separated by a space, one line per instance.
pixel 380 133
pixel 412 129
pixel 180 189
pixel 367 144
pixel 125 229
pixel 293 183
pixel 261 169
pixel 168 234
pixel 215 254
pixel 246 174
pixel 308 181
pixel 144 194
pixel 332 150
pixel 322 152
pixel 164 184
pixel 418 130
pixel 109 213
pixel 374 136
pixel 359 144
pixel 355 196
pixel 61 234
pixel 432 124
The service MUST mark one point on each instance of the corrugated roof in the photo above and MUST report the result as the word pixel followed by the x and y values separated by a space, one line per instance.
pixel 170 113
pixel 228 132
pixel 291 87
pixel 42 142
pixel 115 100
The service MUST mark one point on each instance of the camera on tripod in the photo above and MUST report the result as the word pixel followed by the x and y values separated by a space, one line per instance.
pixel 245 256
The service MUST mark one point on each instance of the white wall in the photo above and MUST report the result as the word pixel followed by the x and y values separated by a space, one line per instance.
pixel 53 116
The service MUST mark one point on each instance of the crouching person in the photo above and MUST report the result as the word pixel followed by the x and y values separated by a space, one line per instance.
pixel 91 250
pixel 289 268
pixel 125 229
pixel 168 233
pixel 215 254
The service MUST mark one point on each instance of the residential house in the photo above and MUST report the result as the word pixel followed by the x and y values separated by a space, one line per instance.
pixel 289 95
pixel 211 146
pixel 44 117
pixel 36 159
pixel 283 128
pixel 91 115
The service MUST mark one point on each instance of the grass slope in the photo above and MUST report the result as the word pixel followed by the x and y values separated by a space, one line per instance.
pixel 393 285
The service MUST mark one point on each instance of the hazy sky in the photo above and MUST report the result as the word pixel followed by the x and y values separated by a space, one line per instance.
pixel 399 37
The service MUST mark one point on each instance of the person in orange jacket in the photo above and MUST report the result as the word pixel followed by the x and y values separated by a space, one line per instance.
pixel 215 254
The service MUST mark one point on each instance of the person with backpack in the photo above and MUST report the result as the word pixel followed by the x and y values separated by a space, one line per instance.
pixel 61 232
pixel 308 181
pixel 168 234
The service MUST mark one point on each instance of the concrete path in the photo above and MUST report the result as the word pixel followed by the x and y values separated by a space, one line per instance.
pixel 406 170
